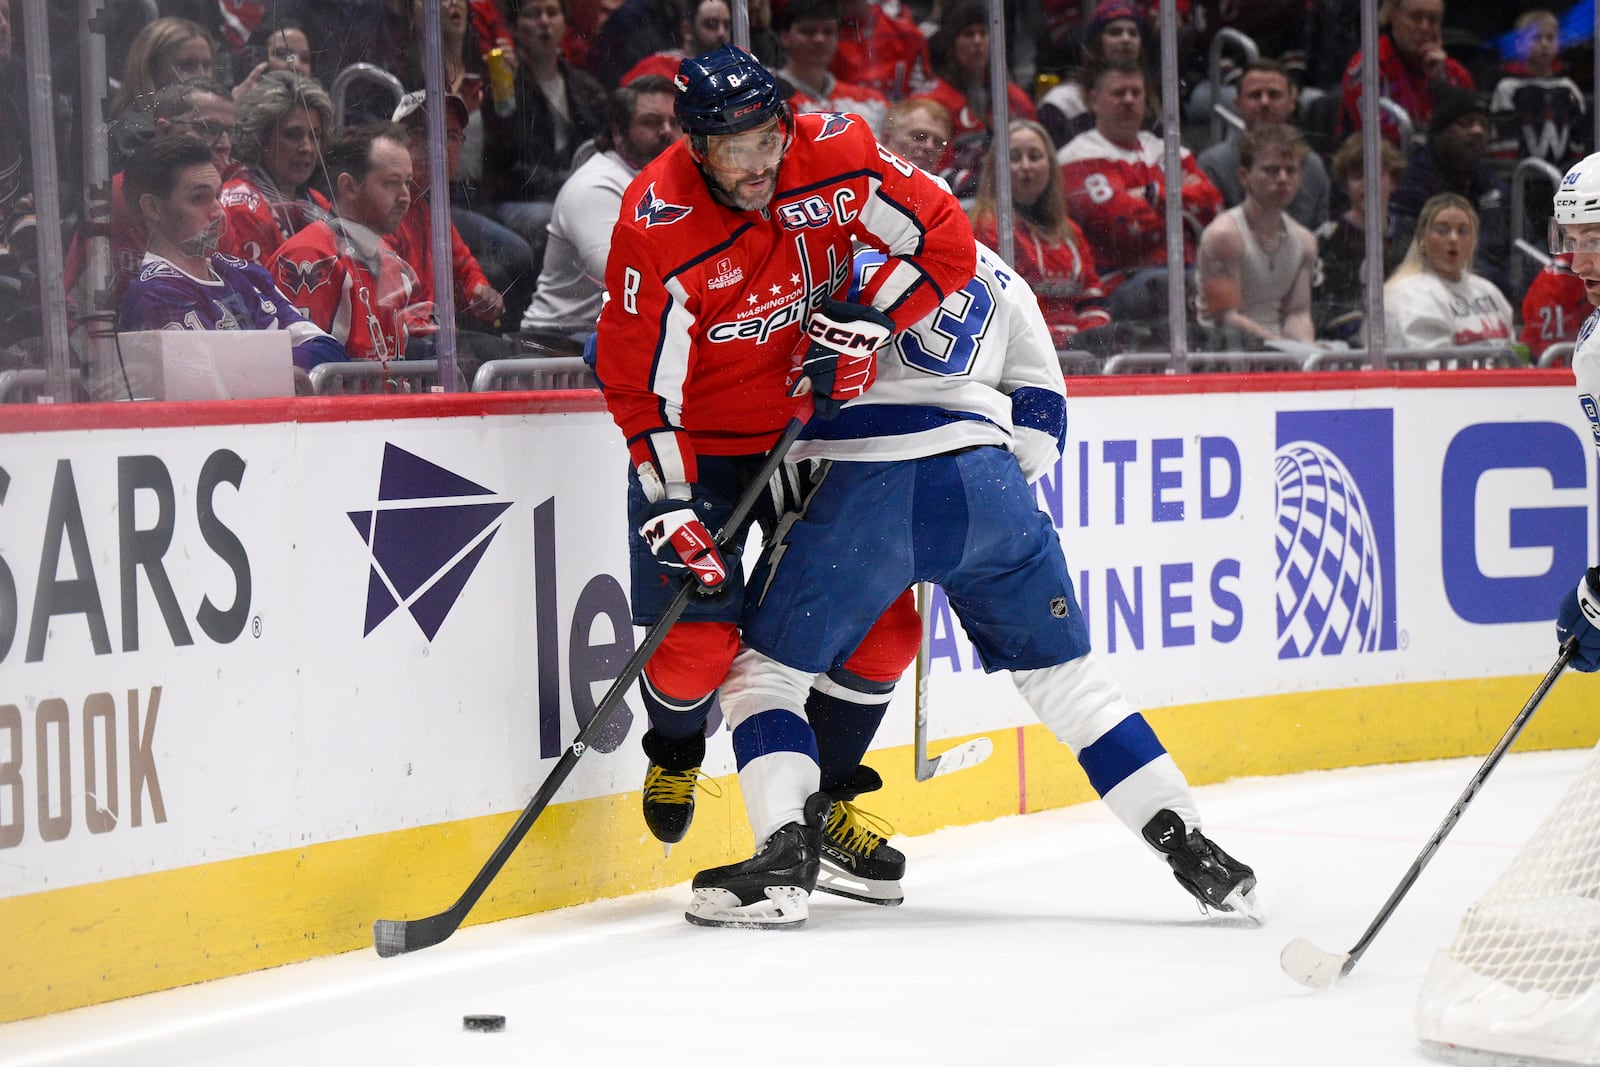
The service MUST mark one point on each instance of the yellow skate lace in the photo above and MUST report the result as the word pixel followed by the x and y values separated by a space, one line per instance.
pixel 662 786
pixel 857 830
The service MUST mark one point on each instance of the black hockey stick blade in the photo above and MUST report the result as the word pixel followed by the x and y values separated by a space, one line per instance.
pixel 1317 969
pixel 392 937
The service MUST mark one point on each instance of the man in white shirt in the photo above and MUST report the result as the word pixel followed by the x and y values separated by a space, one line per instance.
pixel 641 125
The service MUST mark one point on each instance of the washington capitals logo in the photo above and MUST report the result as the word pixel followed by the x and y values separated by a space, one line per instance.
pixel 426 534
pixel 833 124
pixel 307 276
pixel 654 211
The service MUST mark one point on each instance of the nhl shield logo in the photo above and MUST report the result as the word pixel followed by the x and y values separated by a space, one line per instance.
pixel 1058 607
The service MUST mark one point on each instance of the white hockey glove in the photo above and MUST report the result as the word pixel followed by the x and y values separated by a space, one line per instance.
pixel 681 541
pixel 841 361
pixel 1038 429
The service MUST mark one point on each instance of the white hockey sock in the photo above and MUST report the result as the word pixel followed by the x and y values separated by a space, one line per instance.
pixel 764 703
pixel 1084 707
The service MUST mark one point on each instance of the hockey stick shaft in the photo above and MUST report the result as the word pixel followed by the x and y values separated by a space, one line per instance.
pixel 392 937
pixel 1451 818
pixel 962 756
pixel 924 767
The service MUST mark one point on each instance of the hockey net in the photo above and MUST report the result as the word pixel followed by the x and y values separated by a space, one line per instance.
pixel 1520 983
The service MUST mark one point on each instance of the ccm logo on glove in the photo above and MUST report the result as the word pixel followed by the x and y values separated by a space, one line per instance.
pixel 840 363
pixel 842 339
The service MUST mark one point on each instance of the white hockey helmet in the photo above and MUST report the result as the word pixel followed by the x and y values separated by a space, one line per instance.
pixel 1577 203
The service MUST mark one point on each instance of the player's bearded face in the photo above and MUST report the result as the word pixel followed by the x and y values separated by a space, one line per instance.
pixel 743 167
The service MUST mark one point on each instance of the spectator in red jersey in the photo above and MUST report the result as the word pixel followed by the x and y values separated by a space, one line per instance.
pixel 705 26
pixel 339 271
pixel 474 296
pixel 960 53
pixel 631 32
pixel 918 130
pixel 881 51
pixel 1412 65
pixel 809 32
pixel 1050 251
pixel 280 130
pixel 1555 307
pixel 1116 30
pixel 1116 192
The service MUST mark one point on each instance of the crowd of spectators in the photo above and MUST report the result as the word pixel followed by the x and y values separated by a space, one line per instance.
pixel 322 185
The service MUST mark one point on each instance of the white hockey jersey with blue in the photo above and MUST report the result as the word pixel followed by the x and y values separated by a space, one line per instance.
pixel 1586 368
pixel 1009 394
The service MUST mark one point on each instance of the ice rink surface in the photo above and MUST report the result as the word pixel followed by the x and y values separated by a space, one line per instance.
pixel 1053 938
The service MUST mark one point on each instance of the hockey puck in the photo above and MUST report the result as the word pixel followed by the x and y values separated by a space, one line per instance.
pixel 484 1024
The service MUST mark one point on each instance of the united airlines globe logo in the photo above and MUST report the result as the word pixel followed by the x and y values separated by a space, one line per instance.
pixel 1329 582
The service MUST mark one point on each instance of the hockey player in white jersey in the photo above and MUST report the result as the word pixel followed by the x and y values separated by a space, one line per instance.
pixel 926 477
pixel 1575 228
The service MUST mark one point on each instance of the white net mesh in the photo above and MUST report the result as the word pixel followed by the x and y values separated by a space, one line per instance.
pixel 1522 975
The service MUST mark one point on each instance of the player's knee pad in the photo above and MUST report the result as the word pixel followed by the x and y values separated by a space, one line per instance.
pixel 1079 701
pixel 891 645
pixel 757 683
pixel 692 661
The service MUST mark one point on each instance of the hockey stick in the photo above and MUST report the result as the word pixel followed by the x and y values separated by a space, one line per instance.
pixel 392 937
pixel 962 756
pixel 1310 965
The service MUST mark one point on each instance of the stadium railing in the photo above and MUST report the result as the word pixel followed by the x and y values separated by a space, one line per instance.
pixel 534 372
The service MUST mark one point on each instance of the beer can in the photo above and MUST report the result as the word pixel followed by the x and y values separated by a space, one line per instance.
pixel 502 82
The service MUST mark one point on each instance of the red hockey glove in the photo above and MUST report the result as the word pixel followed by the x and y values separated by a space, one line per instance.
pixel 679 540
pixel 841 361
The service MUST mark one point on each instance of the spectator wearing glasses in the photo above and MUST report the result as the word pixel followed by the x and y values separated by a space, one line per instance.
pixel 202 111
pixel 282 123
pixel 167 50
pixel 918 130
pixel 184 283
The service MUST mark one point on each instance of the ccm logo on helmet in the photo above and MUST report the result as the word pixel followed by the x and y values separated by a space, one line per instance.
pixel 836 336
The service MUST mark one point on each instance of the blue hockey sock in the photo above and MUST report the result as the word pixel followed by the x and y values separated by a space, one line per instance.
pixel 845 710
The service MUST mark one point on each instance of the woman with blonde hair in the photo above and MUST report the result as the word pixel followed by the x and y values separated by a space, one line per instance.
pixel 282 122
pixel 167 50
pixel 1433 300
pixel 1050 251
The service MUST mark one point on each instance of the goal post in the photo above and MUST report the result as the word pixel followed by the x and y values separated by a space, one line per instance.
pixel 1520 982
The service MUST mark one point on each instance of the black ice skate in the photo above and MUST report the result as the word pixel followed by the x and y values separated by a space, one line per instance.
pixel 669 784
pixel 769 890
pixel 1211 876
pixel 857 861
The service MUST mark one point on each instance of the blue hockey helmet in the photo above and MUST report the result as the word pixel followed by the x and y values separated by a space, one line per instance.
pixel 726 91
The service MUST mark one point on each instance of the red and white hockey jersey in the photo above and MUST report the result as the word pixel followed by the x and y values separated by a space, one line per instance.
pixel 705 304
pixel 342 277
pixel 261 216
pixel 1117 196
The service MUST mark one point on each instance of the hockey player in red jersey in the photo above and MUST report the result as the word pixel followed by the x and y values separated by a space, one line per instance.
pixel 731 246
